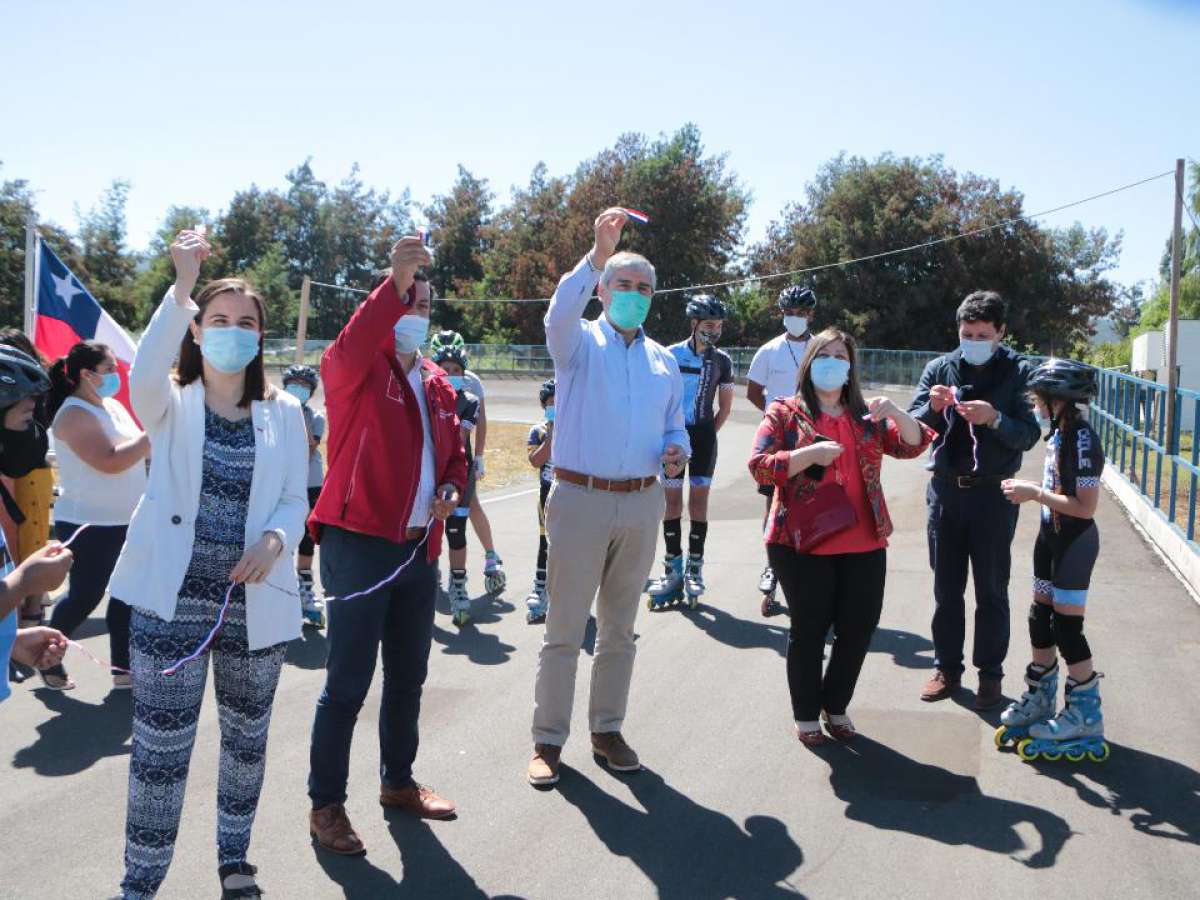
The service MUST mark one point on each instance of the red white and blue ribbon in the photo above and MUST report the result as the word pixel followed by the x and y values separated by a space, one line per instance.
pixel 221 616
pixel 636 214
pixel 948 415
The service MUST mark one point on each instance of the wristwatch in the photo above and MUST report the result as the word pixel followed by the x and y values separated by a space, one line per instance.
pixel 995 423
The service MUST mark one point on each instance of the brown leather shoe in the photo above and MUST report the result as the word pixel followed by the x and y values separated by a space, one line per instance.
pixel 543 768
pixel 989 694
pixel 618 755
pixel 331 827
pixel 416 799
pixel 940 686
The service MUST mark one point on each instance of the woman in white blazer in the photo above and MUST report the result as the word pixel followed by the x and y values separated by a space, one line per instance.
pixel 222 515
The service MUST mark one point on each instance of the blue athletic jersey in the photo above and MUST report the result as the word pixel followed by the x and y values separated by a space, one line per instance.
pixel 703 375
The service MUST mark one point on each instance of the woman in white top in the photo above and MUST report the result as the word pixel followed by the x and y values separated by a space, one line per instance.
pixel 209 551
pixel 102 476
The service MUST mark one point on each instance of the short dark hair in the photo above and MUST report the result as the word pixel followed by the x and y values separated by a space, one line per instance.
pixel 983 306
pixel 191 360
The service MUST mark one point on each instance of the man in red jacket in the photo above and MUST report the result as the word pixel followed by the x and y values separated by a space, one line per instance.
pixel 396 469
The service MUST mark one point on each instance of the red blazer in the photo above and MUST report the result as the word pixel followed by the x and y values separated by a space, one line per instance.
pixel 375 429
pixel 786 426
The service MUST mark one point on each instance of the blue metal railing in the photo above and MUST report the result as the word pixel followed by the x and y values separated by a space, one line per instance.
pixel 1130 414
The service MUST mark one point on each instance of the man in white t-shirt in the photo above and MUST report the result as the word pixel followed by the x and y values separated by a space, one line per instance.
pixel 772 374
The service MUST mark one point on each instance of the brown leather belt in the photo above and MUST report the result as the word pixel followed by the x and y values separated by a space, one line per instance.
pixel 591 482
pixel 414 534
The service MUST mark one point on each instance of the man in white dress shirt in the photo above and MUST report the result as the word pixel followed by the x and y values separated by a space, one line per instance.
pixel 619 424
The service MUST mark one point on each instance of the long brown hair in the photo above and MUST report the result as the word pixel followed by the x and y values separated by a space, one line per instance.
pixel 191 360
pixel 852 398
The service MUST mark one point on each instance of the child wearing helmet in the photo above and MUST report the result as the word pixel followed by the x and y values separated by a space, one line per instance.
pixel 494 578
pixel 302 382
pixel 453 360
pixel 540 444
pixel 1064 555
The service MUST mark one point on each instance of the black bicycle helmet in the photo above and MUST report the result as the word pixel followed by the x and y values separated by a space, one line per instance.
pixel 304 374
pixel 797 296
pixel 706 306
pixel 547 391
pixel 20 377
pixel 448 353
pixel 1064 379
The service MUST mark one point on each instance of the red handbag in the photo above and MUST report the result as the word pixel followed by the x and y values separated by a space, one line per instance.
pixel 812 518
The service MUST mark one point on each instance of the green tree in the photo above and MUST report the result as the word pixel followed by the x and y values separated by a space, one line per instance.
pixel 108 267
pixel 1054 281
pixel 269 276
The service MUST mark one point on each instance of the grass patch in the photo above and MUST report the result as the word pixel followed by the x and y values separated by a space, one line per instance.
pixel 504 457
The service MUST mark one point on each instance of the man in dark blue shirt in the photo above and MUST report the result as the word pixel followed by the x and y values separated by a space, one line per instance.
pixel 976 399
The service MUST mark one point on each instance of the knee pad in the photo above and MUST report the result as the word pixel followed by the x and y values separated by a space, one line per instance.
pixel 1068 634
pixel 456 532
pixel 1041 625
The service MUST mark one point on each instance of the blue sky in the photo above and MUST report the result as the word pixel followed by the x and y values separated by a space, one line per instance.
pixel 192 102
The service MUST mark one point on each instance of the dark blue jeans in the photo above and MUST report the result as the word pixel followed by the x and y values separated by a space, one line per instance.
pixel 398 618
pixel 96 551
pixel 975 527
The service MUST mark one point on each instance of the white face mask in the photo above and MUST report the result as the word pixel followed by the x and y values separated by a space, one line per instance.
pixel 976 353
pixel 795 325
pixel 410 333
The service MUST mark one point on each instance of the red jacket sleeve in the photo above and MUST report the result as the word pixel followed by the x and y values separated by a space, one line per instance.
pixel 369 329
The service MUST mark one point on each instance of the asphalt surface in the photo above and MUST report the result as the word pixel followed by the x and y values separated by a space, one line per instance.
pixel 921 804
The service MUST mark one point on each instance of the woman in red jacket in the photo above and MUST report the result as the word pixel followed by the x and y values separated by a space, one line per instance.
pixel 827 434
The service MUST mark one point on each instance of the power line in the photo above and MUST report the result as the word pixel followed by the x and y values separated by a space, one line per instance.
pixel 975 232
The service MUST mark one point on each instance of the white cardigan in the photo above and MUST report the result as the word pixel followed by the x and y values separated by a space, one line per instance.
pixel 158 546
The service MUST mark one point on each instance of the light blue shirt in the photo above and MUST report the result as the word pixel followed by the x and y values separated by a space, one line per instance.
pixel 8 624
pixel 617 406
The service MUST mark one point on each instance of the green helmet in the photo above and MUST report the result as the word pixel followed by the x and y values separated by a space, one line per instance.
pixel 446 340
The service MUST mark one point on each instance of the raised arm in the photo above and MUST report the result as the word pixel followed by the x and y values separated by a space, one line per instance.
pixel 564 330
pixel 150 377
pixel 344 365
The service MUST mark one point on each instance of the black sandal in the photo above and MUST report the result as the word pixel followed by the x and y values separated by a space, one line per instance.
pixel 245 890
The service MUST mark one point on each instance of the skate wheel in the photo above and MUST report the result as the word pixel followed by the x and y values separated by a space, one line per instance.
pixel 1076 755
pixel 1052 755
pixel 1100 755
pixel 693 602
pixel 1001 737
pixel 1025 751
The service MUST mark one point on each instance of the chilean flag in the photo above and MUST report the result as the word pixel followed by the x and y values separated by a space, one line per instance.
pixel 67 313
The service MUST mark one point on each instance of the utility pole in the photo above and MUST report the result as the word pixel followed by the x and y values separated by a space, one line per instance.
pixel 302 322
pixel 1173 318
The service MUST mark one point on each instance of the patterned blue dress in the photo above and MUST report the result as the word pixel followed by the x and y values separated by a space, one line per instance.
pixel 166 707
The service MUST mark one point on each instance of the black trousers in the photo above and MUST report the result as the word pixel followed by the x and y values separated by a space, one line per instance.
pixel 397 619
pixel 96 551
pixel 844 590
pixel 975 527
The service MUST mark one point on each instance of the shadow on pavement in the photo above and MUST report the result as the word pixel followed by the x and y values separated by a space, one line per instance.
pixel 429 869
pixel 80 735
pixel 884 788
pixel 1163 796
pixel 736 632
pixel 310 651
pixel 688 851
pixel 904 647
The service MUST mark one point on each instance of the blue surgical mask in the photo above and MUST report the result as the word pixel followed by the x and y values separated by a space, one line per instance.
pixel 230 349
pixel 299 391
pixel 410 333
pixel 549 413
pixel 976 353
pixel 109 385
pixel 829 373
pixel 456 381
pixel 628 309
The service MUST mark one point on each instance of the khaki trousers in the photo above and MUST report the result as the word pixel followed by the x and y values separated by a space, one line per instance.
pixel 601 548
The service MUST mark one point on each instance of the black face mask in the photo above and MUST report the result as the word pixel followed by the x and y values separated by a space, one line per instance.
pixel 22 451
